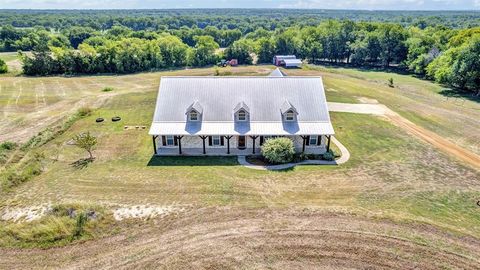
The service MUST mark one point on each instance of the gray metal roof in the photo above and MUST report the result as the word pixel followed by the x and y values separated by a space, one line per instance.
pixel 236 128
pixel 283 57
pixel 241 105
pixel 219 96
pixel 292 62
pixel 277 73
pixel 195 106
pixel 287 106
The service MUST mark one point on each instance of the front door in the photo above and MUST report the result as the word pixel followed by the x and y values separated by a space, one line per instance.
pixel 241 142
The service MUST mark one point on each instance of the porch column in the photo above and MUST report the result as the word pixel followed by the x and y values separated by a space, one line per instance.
pixel 304 142
pixel 228 143
pixel 254 138
pixel 179 139
pixel 203 139
pixel 154 137
pixel 328 143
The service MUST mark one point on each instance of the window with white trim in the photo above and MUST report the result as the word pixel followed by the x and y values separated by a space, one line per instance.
pixel 313 140
pixel 170 141
pixel 289 115
pixel 242 115
pixel 193 116
pixel 216 140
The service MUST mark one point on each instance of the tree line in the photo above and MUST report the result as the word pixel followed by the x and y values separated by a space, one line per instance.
pixel 444 54
pixel 245 20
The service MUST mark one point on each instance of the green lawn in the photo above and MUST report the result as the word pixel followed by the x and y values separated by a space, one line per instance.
pixel 390 175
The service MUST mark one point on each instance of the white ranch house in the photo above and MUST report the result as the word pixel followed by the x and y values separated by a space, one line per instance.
pixel 236 115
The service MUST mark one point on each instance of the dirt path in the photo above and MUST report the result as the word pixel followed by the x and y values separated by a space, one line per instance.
pixel 436 140
pixel 420 132
pixel 226 238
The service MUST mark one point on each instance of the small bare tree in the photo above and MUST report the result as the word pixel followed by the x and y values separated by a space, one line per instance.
pixel 86 141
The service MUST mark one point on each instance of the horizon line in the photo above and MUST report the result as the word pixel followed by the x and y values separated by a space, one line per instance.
pixel 236 8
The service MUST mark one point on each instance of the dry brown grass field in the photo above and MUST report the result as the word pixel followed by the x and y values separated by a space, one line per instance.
pixel 398 203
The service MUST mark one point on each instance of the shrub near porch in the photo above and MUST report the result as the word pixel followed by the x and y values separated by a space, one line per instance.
pixel 278 150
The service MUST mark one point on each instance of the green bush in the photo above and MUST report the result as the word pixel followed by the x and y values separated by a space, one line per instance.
pixel 3 67
pixel 107 89
pixel 80 224
pixel 5 151
pixel 14 177
pixel 8 146
pixel 278 150
pixel 329 156
pixel 303 156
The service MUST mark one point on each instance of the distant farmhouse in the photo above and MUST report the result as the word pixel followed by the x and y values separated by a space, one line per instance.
pixel 236 115
pixel 288 61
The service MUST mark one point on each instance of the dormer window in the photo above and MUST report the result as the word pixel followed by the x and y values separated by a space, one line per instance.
pixel 193 116
pixel 241 112
pixel 290 116
pixel 242 115
pixel 194 112
pixel 289 113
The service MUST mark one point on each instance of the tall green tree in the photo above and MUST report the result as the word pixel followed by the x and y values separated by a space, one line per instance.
pixel 288 42
pixel 265 50
pixel 173 51
pixel 204 51
pixel 392 43
pixel 312 45
pixel 77 35
pixel 466 68
pixel 240 50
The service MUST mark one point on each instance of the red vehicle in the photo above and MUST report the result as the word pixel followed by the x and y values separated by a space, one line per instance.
pixel 233 62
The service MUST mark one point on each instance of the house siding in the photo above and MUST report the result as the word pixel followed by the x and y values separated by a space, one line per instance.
pixel 195 142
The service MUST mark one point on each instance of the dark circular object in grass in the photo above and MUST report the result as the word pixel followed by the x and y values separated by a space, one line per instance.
pixel 478 203
pixel 116 118
pixel 98 120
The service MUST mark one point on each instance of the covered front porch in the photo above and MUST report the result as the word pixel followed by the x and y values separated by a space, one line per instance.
pixel 230 145
pixel 169 151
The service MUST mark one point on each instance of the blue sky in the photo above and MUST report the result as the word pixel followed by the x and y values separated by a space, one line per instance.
pixel 319 4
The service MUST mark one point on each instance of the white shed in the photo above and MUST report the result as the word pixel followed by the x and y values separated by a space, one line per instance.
pixel 293 63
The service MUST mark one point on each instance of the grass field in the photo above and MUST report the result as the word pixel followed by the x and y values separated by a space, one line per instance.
pixel 397 203
pixel 12 61
pixel 8 56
